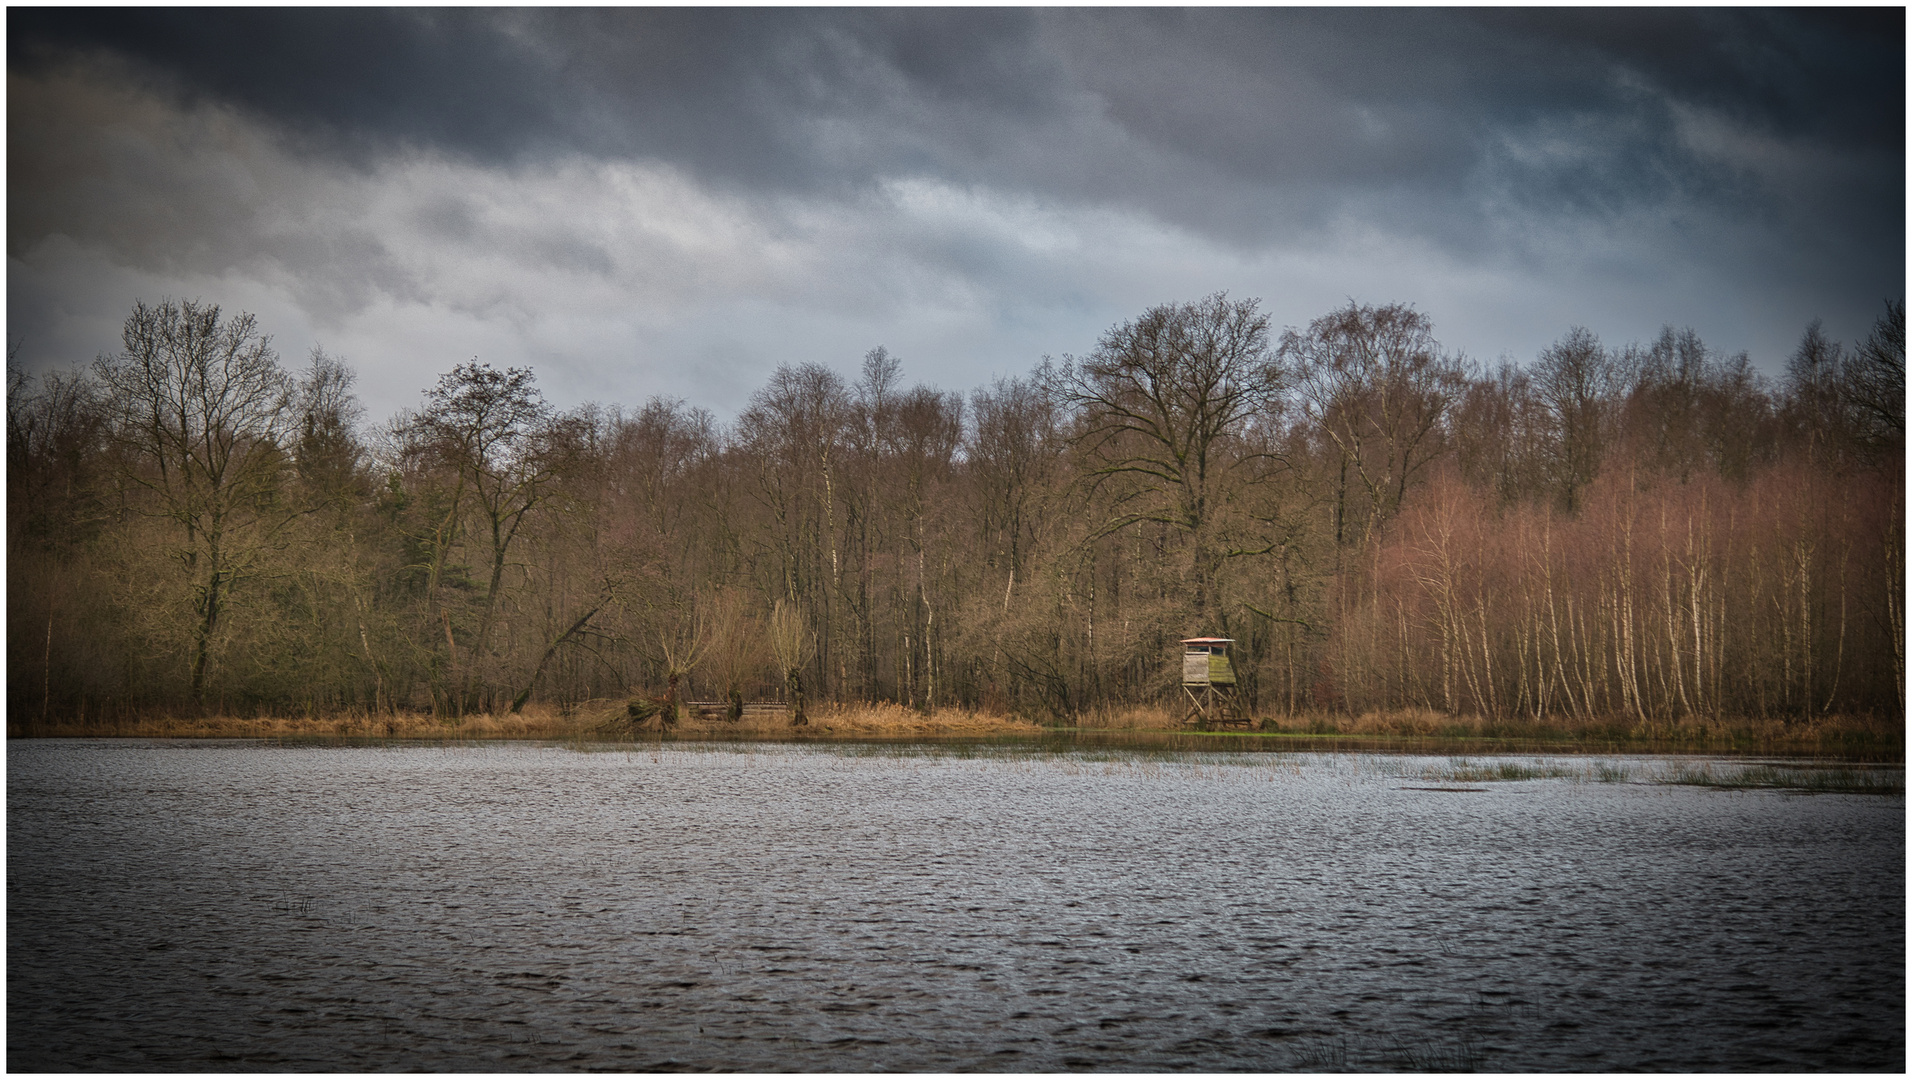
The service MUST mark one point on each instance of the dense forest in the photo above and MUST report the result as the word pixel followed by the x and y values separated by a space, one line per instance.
pixel 1651 531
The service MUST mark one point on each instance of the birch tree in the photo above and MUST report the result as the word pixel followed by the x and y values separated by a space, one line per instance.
pixel 1377 384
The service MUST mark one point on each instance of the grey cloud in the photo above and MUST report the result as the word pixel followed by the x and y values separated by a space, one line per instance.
pixel 447 217
pixel 358 158
pixel 1222 120
pixel 190 192
pixel 352 79
pixel 1421 105
pixel 1829 73
pixel 573 254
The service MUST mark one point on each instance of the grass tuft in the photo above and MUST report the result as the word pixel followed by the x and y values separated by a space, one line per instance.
pixel 1798 777
pixel 1846 779
pixel 1467 772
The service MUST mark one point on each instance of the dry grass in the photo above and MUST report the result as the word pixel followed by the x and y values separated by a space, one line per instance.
pixel 1134 718
pixel 597 719
pixel 600 719
pixel 851 720
pixel 536 722
pixel 1743 733
pixel 1748 733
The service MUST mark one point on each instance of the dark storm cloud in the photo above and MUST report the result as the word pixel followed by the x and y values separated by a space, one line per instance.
pixel 352 77
pixel 1823 72
pixel 735 94
pixel 581 177
pixel 794 98
pixel 1419 103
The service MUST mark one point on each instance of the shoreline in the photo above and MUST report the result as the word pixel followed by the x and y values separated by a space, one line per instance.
pixel 1869 737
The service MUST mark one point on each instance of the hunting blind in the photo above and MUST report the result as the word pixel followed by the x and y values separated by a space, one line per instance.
pixel 1208 680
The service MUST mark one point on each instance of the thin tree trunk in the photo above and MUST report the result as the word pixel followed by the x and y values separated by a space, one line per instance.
pixel 46 669
pixel 1839 656
pixel 551 650
pixel 1803 555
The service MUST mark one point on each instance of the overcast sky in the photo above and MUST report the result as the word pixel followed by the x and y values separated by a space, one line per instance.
pixel 677 201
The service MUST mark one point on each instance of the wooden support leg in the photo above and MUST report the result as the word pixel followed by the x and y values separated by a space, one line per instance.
pixel 1197 708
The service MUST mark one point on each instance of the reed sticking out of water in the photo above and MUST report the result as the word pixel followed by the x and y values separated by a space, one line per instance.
pixel 1857 781
pixel 1865 781
pixel 1469 773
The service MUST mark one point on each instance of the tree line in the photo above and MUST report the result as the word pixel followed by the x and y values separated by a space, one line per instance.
pixel 1654 531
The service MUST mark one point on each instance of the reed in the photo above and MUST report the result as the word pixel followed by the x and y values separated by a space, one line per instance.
pixel 1869 734
pixel 1467 772
pixel 535 722
pixel 1727 775
pixel 1847 780
pixel 1870 737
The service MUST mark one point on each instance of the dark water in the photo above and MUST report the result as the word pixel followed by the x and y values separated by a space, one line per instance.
pixel 208 906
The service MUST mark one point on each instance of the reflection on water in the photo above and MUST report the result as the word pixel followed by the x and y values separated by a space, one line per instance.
pixel 521 907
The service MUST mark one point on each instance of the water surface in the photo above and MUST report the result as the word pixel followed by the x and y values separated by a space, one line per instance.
pixel 513 906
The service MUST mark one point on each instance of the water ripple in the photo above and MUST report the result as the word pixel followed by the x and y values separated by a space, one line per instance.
pixel 503 907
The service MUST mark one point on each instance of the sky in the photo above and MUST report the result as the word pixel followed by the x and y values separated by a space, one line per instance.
pixel 676 201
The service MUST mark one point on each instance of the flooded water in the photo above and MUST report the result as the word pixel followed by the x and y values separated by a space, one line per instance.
pixel 508 906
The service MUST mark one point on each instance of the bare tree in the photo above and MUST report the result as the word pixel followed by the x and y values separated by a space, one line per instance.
pixel 1014 453
pixel 734 649
pixel 681 635
pixel 327 452
pixel 1576 379
pixel 653 453
pixel 1689 408
pixel 1815 374
pixel 929 430
pixel 854 540
pixel 1503 436
pixel 497 440
pixel 55 439
pixel 794 644
pixel 1376 382
pixel 1165 400
pixel 794 434
pixel 1875 385
pixel 873 443
pixel 326 582
pixel 201 409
